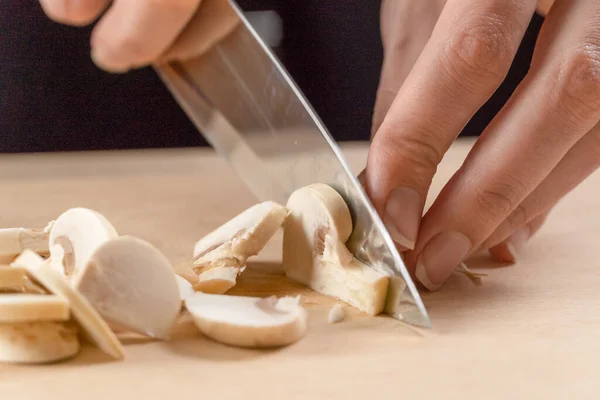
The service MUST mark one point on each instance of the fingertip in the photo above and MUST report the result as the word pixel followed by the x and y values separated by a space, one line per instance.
pixel 73 12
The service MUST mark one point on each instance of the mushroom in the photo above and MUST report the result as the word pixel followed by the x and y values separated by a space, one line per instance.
pixel 230 245
pixel 336 314
pixel 185 288
pixel 248 321
pixel 14 240
pixel 96 329
pixel 315 254
pixel 79 231
pixel 133 286
pixel 16 280
pixel 38 342
pixel 217 280
pixel 15 308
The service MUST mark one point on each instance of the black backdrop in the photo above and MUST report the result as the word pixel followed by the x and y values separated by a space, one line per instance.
pixel 52 98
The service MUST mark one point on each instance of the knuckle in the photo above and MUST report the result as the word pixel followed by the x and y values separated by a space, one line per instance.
pixel 496 202
pixel 578 84
pixel 421 151
pixel 518 217
pixel 480 50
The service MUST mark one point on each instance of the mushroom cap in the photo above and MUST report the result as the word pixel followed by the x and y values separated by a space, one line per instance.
pixel 246 234
pixel 248 321
pixel 185 288
pixel 79 231
pixel 38 342
pixel 132 284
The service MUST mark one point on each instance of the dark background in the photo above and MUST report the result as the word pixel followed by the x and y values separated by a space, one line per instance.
pixel 53 98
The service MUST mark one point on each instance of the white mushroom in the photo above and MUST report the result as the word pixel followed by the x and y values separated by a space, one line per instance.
pixel 336 314
pixel 14 240
pixel 96 329
pixel 132 285
pixel 79 231
pixel 16 280
pixel 234 242
pixel 315 254
pixel 38 342
pixel 248 321
pixel 217 280
pixel 185 288
pixel 15 308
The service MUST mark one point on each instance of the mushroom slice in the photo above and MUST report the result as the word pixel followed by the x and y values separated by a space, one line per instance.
pixel 94 326
pixel 185 288
pixel 315 254
pixel 336 314
pixel 16 280
pixel 38 342
pixel 132 285
pixel 249 321
pixel 15 308
pixel 234 242
pixel 79 231
pixel 217 280
pixel 14 240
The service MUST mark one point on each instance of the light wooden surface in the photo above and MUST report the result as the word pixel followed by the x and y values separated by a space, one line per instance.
pixel 529 331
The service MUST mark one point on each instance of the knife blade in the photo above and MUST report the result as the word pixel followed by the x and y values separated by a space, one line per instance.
pixel 252 113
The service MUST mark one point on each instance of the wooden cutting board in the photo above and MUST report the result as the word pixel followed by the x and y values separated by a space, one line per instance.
pixel 528 331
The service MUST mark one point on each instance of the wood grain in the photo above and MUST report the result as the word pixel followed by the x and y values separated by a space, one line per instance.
pixel 529 331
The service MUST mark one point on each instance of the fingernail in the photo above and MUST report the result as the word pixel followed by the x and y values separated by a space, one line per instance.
pixel 402 216
pixel 440 257
pixel 516 242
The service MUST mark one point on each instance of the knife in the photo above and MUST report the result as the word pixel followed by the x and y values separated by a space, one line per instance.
pixel 252 113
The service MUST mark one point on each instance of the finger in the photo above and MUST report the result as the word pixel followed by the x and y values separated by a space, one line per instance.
pixel 580 162
pixel 73 12
pixel 134 33
pixel 522 145
pixel 508 251
pixel 405 29
pixel 467 57
pixel 214 20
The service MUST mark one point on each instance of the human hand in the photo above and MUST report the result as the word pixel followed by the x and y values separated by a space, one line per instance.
pixel 543 143
pixel 135 34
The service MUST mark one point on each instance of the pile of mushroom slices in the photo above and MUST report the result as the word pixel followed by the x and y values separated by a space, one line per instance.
pixel 78 279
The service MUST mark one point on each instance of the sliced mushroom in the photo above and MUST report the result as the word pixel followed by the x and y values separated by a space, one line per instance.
pixel 315 254
pixel 185 288
pixel 38 342
pixel 79 231
pixel 217 280
pixel 14 240
pixel 336 314
pixel 96 329
pixel 16 280
pixel 249 321
pixel 132 285
pixel 15 308
pixel 234 242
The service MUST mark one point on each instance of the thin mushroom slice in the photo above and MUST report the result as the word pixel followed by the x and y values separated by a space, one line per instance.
pixel 242 237
pixel 16 308
pixel 249 321
pixel 16 280
pixel 185 288
pixel 14 240
pixel 79 231
pixel 94 326
pixel 38 342
pixel 132 285
pixel 315 253
pixel 217 280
